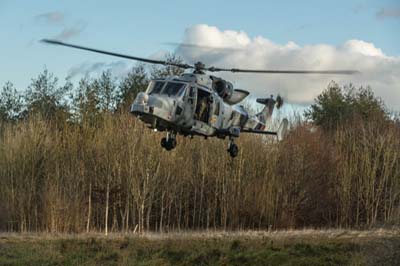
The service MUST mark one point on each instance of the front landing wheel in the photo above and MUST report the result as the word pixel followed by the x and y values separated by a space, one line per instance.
pixel 168 144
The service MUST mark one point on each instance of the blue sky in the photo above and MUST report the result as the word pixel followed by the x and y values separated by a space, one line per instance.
pixel 141 27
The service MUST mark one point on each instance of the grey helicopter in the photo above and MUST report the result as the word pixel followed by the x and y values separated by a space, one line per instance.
pixel 199 104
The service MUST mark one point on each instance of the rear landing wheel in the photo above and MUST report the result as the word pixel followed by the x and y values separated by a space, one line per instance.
pixel 163 142
pixel 233 150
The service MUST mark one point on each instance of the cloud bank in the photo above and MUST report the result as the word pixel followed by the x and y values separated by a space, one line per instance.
pixel 380 71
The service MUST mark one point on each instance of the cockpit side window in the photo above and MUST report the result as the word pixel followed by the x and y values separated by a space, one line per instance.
pixel 182 92
pixel 173 88
pixel 155 87
pixel 192 92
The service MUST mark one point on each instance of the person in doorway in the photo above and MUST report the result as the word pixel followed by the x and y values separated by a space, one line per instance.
pixel 203 107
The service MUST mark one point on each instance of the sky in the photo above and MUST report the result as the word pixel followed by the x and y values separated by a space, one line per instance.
pixel 317 35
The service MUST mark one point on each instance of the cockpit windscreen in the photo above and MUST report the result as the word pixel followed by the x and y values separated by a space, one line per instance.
pixel 174 88
pixel 155 87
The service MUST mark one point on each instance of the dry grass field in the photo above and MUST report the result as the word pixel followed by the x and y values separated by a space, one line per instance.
pixel 297 247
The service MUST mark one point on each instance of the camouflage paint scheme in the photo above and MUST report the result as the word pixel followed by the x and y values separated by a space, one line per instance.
pixel 177 112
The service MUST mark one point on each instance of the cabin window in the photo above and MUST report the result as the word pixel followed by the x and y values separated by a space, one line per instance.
pixel 243 119
pixel 217 106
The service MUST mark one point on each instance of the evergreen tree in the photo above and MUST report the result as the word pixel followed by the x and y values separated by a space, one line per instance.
pixel 10 103
pixel 107 90
pixel 86 102
pixel 336 105
pixel 45 98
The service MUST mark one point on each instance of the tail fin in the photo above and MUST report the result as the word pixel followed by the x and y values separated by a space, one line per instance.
pixel 282 130
pixel 270 104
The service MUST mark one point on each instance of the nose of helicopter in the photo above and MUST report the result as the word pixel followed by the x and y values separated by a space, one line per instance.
pixel 148 106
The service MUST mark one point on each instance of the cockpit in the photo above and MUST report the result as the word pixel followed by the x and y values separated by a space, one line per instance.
pixel 169 88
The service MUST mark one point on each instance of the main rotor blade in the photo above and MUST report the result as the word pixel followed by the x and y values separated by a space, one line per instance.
pixel 146 60
pixel 236 70
pixel 178 45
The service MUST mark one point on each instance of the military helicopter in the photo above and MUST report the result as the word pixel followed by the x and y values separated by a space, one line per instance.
pixel 200 104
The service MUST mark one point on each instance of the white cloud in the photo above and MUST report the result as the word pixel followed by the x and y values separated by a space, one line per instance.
pixel 117 68
pixel 380 71
pixel 364 48
pixel 51 18
pixel 57 18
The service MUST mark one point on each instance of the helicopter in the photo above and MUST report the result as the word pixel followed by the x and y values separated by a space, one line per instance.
pixel 199 104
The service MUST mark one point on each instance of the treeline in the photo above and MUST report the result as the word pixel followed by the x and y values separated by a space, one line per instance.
pixel 74 160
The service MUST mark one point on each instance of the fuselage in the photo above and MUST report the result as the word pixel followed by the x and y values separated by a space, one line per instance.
pixel 189 105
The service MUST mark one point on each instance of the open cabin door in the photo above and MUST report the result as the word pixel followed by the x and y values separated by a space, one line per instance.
pixel 189 106
pixel 192 98
pixel 203 113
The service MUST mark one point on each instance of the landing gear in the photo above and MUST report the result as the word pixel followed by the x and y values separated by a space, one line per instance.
pixel 232 148
pixel 169 142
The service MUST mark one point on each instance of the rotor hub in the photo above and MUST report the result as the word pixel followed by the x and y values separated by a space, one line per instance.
pixel 199 68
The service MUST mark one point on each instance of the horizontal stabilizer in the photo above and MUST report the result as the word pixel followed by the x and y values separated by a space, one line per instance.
pixel 266 101
pixel 254 131
pixel 281 133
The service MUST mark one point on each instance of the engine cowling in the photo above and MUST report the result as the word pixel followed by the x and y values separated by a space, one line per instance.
pixel 227 93
pixel 223 88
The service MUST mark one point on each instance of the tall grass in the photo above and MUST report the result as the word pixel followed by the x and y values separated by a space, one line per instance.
pixel 113 176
